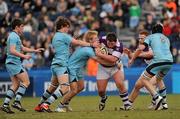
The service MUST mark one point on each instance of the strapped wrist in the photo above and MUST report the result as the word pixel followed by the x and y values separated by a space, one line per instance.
pixel 91 44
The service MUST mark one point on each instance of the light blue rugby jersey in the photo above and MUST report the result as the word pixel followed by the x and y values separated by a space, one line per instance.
pixel 160 46
pixel 61 43
pixel 80 57
pixel 13 39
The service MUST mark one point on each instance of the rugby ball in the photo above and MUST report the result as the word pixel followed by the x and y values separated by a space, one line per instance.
pixel 103 50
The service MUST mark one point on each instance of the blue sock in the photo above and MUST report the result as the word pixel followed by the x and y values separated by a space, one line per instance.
pixel 9 95
pixel 54 96
pixel 20 92
pixel 45 96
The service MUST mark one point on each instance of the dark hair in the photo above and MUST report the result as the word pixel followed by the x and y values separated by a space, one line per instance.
pixel 16 22
pixel 111 37
pixel 62 22
pixel 157 28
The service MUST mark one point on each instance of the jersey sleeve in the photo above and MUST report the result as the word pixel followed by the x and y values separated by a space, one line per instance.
pixel 91 53
pixel 102 39
pixel 13 40
pixel 147 40
pixel 67 38
pixel 118 50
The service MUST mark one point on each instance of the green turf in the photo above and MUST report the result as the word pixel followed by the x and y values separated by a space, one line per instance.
pixel 87 108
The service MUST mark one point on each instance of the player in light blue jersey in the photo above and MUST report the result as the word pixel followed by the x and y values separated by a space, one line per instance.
pixel 61 43
pixel 147 55
pixel 18 75
pixel 160 64
pixel 76 65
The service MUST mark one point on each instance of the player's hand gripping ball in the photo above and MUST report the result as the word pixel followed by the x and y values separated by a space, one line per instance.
pixel 103 50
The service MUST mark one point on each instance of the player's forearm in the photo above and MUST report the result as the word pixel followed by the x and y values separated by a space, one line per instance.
pixel 80 43
pixel 25 49
pixel 18 54
pixel 136 54
pixel 108 58
pixel 145 55
pixel 103 62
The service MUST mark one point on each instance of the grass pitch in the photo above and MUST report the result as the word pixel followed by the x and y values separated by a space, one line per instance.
pixel 87 108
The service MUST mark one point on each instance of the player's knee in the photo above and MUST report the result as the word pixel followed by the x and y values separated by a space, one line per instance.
pixel 81 88
pixel 74 90
pixel 26 83
pixel 64 89
pixel 52 87
pixel 101 92
pixel 14 87
pixel 120 86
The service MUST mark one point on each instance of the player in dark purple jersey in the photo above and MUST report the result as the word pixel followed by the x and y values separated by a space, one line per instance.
pixel 110 69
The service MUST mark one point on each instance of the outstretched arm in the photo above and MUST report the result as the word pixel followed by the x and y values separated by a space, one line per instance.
pixel 136 54
pixel 83 43
pixel 18 54
pixel 148 54
pixel 26 49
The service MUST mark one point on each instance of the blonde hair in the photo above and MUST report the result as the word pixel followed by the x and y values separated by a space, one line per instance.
pixel 89 35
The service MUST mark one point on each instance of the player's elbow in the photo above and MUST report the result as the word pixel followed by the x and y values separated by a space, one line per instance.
pixel 113 60
pixel 12 51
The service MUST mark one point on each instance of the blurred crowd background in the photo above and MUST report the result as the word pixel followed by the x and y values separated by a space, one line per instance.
pixel 125 17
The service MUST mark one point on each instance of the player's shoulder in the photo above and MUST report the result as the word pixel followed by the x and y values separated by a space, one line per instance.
pixel 119 43
pixel 102 39
pixel 87 48
pixel 14 36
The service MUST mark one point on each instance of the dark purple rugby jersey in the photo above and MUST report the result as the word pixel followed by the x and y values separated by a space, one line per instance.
pixel 116 51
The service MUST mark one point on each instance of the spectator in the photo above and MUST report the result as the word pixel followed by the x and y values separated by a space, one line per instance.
pixel 125 7
pixel 147 7
pixel 155 3
pixel 3 9
pixel 92 67
pixel 108 6
pixel 135 13
pixel 149 22
pixel 170 5
pixel 167 29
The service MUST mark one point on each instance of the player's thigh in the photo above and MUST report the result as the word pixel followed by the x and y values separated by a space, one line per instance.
pixel 153 80
pixel 54 80
pixel 63 79
pixel 162 71
pixel 24 78
pixel 74 87
pixel 161 84
pixel 61 73
pixel 14 69
pixel 64 82
pixel 118 77
pixel 139 83
pixel 15 83
pixel 103 73
pixel 80 84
